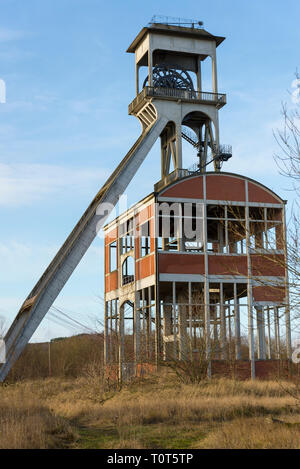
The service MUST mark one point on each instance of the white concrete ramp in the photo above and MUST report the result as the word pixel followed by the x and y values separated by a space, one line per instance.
pixel 41 298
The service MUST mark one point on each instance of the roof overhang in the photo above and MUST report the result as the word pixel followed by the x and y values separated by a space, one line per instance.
pixel 174 31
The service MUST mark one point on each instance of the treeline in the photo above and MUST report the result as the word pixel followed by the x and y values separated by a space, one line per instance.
pixel 63 357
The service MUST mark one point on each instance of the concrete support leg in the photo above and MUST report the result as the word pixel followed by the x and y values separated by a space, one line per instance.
pixel 228 311
pixel 143 331
pixel 190 320
pixel 136 329
pixel 251 336
pixel 260 334
pixel 107 312
pixel 178 146
pixel 115 309
pixel 277 333
pixel 182 330
pixel 167 331
pixel 288 333
pixel 223 324
pixel 148 325
pixel 121 342
pixel 269 334
pixel 157 325
pixel 207 326
pixel 174 320
pixel 111 332
pixel 237 325
pixel 214 316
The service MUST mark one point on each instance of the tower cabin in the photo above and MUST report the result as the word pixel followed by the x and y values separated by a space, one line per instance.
pixel 196 268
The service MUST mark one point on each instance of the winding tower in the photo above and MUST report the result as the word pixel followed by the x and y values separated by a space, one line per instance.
pixel 198 266
pixel 195 269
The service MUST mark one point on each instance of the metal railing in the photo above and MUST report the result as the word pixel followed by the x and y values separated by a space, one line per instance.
pixel 127 279
pixel 175 21
pixel 176 93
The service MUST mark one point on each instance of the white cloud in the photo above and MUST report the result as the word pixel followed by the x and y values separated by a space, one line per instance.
pixel 24 184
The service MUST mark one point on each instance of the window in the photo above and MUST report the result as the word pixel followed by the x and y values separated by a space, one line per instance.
pixel 266 234
pixel 128 270
pixel 168 225
pixel 145 239
pixel 180 222
pixel 126 236
pixel 113 256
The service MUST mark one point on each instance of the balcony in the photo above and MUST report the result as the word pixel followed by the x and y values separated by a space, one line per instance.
pixel 199 97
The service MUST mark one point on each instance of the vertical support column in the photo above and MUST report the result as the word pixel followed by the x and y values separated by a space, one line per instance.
pixel 214 73
pixel 106 332
pixel 174 314
pixel 178 146
pixel 144 324
pixel 288 332
pixel 223 323
pixel 207 325
pixel 206 288
pixel 116 317
pixel 148 337
pixel 167 330
pixel 269 334
pixel 182 329
pixel 150 66
pixel 277 332
pixel 251 332
pixel 190 320
pixel 260 333
pixel 121 341
pixel 199 76
pixel 237 324
pixel 229 331
pixel 136 329
pixel 111 337
pixel 157 323
pixel 137 70
pixel 215 330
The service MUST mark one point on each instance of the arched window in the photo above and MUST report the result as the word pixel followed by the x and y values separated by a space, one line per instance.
pixel 128 270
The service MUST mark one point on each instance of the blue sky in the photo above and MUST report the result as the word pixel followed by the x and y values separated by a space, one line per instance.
pixel 65 124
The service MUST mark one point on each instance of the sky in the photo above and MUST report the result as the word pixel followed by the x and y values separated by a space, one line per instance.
pixel 65 124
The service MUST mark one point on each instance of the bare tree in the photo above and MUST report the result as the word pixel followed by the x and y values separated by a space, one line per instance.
pixel 288 162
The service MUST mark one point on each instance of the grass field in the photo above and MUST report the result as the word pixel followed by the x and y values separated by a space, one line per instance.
pixel 156 412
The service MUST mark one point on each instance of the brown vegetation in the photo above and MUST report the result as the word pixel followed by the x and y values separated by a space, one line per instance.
pixel 155 412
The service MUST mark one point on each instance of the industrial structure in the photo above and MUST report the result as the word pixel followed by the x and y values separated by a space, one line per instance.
pixel 201 260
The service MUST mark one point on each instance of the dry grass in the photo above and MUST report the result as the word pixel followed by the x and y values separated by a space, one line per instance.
pixel 157 412
pixel 254 433
pixel 27 424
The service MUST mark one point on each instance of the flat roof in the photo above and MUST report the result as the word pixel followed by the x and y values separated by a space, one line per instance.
pixel 176 31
